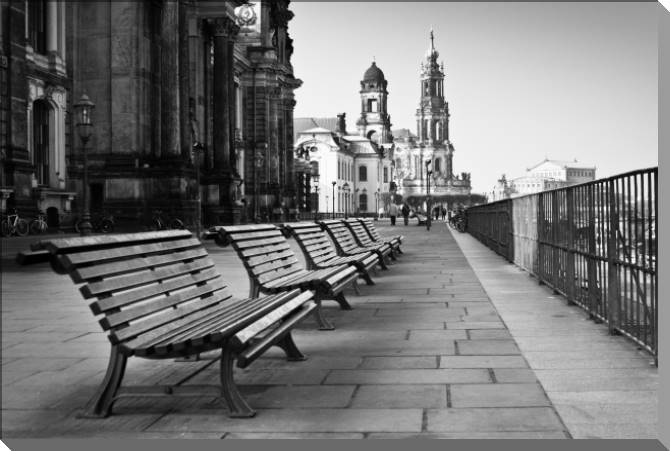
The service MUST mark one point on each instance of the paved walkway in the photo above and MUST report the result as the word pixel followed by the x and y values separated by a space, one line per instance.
pixel 452 342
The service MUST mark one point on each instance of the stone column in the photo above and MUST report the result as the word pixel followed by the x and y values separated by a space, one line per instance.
pixel 224 31
pixel 170 113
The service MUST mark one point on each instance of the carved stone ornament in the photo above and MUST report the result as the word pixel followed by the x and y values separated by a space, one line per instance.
pixel 223 26
pixel 246 16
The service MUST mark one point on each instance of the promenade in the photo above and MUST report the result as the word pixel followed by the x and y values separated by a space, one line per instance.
pixel 451 342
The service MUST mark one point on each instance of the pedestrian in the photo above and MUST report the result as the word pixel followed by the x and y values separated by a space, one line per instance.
pixel 393 212
pixel 444 213
pixel 405 213
pixel 436 212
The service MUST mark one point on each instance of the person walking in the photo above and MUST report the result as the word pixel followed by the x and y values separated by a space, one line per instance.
pixel 405 213
pixel 393 212
pixel 444 213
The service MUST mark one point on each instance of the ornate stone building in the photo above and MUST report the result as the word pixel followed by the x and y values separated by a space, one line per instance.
pixel 358 163
pixel 164 75
pixel 431 144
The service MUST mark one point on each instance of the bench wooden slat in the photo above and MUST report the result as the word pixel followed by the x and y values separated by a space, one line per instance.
pixel 133 313
pixel 263 250
pixel 157 289
pixel 98 256
pixel 60 245
pixel 123 266
pixel 166 321
pixel 138 279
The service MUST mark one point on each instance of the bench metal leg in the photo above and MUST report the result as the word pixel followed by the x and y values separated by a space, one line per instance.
pixel 321 320
pixel 289 347
pixel 355 285
pixel 382 262
pixel 392 254
pixel 237 406
pixel 366 276
pixel 344 304
pixel 100 406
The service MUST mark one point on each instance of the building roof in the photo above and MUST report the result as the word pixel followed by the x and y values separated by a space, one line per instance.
pixel 403 133
pixel 301 124
pixel 316 130
pixel 562 164
pixel 374 74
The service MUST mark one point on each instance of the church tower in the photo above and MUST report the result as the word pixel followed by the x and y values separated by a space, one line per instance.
pixel 375 122
pixel 432 116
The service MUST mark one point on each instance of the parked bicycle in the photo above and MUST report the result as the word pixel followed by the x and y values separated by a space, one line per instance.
pixel 101 223
pixel 458 222
pixel 39 224
pixel 12 224
pixel 160 222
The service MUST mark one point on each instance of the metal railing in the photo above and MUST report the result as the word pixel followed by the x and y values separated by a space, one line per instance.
pixel 594 243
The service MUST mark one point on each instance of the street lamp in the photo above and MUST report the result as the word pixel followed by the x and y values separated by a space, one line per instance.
pixel 346 190
pixel 377 203
pixel 428 212
pixel 334 183
pixel 83 111
pixel 315 186
pixel 197 151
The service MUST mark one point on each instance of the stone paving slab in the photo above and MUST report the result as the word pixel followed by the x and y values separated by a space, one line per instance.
pixel 424 354
pixel 595 381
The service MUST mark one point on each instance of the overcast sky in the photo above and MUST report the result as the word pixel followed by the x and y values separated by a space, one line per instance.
pixel 523 80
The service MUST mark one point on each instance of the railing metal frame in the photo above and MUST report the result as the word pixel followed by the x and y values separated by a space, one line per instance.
pixel 594 243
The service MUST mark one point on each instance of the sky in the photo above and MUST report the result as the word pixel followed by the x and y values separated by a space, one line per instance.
pixel 524 81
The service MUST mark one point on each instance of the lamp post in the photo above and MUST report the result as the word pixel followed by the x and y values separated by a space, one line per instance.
pixel 377 203
pixel 197 151
pixel 83 110
pixel 428 212
pixel 346 190
pixel 334 183
pixel 315 186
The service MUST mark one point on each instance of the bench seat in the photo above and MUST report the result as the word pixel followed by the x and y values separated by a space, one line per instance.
pixel 395 241
pixel 161 297
pixel 346 243
pixel 273 267
pixel 320 253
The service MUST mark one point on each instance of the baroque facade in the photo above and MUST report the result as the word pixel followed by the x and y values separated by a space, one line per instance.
pixel 431 144
pixel 185 91
pixel 354 168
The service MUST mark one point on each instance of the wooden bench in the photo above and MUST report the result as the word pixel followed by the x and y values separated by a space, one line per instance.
pixel 394 241
pixel 363 238
pixel 346 243
pixel 161 297
pixel 421 219
pixel 273 267
pixel 320 253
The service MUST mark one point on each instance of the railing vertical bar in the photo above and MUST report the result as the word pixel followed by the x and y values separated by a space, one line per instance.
pixel 570 267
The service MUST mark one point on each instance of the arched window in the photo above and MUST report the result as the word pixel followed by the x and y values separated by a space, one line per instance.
pixel 363 202
pixel 362 174
pixel 438 166
pixel 41 151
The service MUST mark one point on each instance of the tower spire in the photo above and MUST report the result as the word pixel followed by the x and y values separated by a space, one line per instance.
pixel 432 43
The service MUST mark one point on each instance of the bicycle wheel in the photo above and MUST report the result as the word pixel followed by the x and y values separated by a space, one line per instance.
pixel 461 226
pixel 22 228
pixel 5 229
pixel 77 225
pixel 37 226
pixel 106 226
pixel 176 224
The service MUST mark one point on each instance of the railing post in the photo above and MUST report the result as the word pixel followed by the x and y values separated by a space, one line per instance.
pixel 540 238
pixel 591 261
pixel 570 263
pixel 555 223
pixel 613 289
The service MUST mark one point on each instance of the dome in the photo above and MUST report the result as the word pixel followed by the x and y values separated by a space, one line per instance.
pixel 374 74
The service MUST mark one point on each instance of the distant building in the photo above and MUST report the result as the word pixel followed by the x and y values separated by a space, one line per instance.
pixel 430 144
pixel 546 175
pixel 358 162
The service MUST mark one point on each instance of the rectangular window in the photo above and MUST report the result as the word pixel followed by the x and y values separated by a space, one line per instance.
pixel 362 174
pixel 37 25
pixel 372 105
pixel 386 175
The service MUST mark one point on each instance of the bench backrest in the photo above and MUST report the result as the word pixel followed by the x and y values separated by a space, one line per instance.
pixel 313 241
pixel 371 229
pixel 144 284
pixel 340 234
pixel 263 249
pixel 358 231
